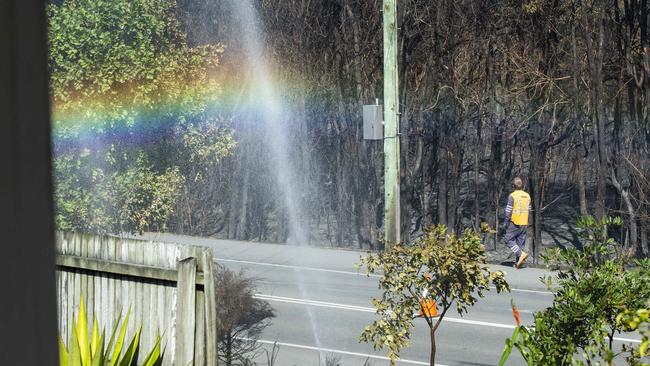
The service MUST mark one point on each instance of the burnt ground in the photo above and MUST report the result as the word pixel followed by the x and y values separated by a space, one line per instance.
pixel 559 229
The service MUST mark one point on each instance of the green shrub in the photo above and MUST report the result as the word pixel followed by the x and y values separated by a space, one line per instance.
pixel 592 300
pixel 637 321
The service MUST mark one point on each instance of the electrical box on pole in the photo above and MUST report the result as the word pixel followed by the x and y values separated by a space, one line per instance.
pixel 373 122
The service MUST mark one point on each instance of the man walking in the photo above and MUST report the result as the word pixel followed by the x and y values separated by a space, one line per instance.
pixel 517 221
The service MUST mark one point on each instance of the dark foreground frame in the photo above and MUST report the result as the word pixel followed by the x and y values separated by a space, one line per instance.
pixel 27 285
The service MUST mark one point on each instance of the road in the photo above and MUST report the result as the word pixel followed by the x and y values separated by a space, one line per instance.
pixel 322 304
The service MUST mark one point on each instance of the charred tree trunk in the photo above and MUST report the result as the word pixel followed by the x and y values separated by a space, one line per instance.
pixel 235 203
pixel 579 150
pixel 644 224
pixel 428 182
pixel 644 240
pixel 595 60
pixel 538 157
pixel 340 197
pixel 241 231
pixel 443 159
pixel 631 212
pixel 456 160
pixel 477 176
pixel 580 181
pixel 498 175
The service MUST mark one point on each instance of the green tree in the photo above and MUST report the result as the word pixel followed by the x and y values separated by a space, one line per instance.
pixel 110 59
pixel 591 294
pixel 93 199
pixel 130 109
pixel 448 268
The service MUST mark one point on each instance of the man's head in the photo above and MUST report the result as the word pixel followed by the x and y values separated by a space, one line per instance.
pixel 518 183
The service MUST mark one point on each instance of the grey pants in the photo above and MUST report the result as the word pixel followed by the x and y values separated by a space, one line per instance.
pixel 516 238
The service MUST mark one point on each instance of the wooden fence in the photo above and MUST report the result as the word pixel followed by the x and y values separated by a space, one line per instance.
pixel 168 288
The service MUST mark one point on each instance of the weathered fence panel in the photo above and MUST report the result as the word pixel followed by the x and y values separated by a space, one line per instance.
pixel 168 288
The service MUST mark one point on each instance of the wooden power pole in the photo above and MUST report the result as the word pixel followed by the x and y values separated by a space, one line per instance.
pixel 391 123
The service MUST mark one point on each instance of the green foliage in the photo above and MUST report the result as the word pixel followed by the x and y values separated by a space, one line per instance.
pixel 637 321
pixel 590 296
pixel 83 350
pixel 107 56
pixel 532 7
pixel 147 197
pixel 105 200
pixel 130 101
pixel 451 268
pixel 204 144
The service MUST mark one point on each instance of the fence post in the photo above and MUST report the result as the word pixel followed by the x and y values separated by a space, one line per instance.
pixel 211 342
pixel 186 312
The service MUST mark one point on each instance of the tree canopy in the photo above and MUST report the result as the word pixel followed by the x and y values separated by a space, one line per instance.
pixel 110 58
pixel 130 100
pixel 450 269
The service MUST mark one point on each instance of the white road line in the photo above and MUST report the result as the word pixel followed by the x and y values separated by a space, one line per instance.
pixel 337 351
pixel 332 305
pixel 324 304
pixel 538 292
pixel 295 267
pixel 368 310
pixel 627 340
pixel 301 268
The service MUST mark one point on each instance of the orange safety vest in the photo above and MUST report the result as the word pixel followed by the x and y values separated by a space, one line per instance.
pixel 520 206
pixel 427 304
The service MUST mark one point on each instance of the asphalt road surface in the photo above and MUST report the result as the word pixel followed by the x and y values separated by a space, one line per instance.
pixel 322 304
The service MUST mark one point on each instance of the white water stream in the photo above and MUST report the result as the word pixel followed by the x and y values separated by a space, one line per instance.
pixel 274 118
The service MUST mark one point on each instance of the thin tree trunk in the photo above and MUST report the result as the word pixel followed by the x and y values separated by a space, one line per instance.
pixel 579 169
pixel 442 187
pixel 477 194
pixel 432 358
pixel 580 180
pixel 340 197
pixel 644 240
pixel 595 59
pixel 428 180
pixel 406 176
pixel 234 209
pixel 625 195
pixel 643 227
pixel 456 161
pixel 537 168
pixel 228 350
pixel 241 230
pixel 496 224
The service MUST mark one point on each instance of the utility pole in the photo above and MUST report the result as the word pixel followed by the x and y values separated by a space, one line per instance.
pixel 391 123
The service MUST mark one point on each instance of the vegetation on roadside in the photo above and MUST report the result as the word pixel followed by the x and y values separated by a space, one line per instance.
pixel 130 110
pixel 241 318
pixel 448 269
pixel 92 350
pixel 597 295
pixel 639 322
pixel 554 91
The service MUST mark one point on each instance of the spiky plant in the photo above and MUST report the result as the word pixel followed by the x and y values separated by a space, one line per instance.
pixel 83 350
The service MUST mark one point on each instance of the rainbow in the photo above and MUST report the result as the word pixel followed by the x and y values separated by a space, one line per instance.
pixel 120 116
